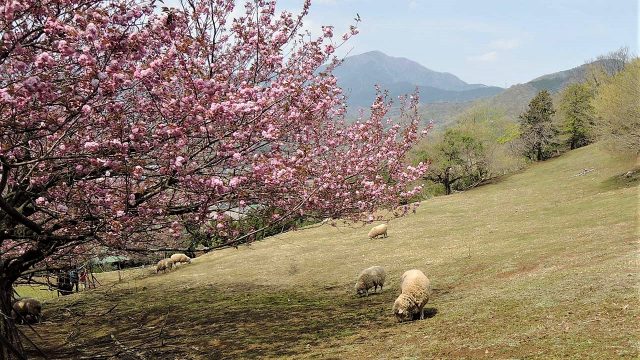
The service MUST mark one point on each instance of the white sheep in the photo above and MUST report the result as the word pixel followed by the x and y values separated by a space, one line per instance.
pixel 416 289
pixel 180 258
pixel 370 278
pixel 378 230
pixel 27 310
pixel 164 265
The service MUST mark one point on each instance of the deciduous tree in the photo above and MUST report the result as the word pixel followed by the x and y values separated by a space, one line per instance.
pixel 456 156
pixel 617 106
pixel 120 123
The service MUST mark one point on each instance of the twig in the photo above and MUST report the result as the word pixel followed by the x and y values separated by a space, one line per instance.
pixel 110 310
pixel 31 342
pixel 162 329
pixel 126 349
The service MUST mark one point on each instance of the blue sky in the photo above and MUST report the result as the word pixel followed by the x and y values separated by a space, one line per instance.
pixel 494 42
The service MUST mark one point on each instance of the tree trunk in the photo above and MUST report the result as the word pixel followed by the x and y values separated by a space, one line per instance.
pixel 11 346
pixel 447 182
pixel 539 152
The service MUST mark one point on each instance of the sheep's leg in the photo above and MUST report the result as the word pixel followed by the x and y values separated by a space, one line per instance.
pixel 422 314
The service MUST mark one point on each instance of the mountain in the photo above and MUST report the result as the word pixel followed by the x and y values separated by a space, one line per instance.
pixel 514 100
pixel 444 95
pixel 359 74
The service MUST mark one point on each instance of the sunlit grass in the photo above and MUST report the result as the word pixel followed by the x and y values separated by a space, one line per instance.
pixel 542 265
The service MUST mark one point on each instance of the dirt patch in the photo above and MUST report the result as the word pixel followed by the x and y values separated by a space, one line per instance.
pixel 520 270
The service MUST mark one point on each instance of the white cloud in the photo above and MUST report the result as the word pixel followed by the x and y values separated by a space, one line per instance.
pixel 486 57
pixel 505 44
pixel 413 4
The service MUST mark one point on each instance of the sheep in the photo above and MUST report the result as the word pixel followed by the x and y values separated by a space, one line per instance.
pixel 370 278
pixel 27 310
pixel 164 264
pixel 180 258
pixel 415 288
pixel 378 230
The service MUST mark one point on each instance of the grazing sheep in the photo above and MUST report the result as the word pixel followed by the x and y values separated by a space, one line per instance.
pixel 378 230
pixel 370 278
pixel 27 310
pixel 415 288
pixel 180 258
pixel 164 265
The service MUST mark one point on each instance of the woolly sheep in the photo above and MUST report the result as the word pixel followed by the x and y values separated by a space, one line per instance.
pixel 180 258
pixel 415 288
pixel 378 230
pixel 27 310
pixel 164 264
pixel 370 278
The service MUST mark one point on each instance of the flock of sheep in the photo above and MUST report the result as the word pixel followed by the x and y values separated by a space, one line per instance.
pixel 29 310
pixel 415 287
pixel 168 263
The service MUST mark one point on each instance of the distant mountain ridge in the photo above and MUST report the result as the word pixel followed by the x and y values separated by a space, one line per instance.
pixel 444 95
pixel 359 74
pixel 514 100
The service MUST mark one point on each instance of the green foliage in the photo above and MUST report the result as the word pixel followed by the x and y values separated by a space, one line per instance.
pixel 578 114
pixel 498 133
pixel 457 160
pixel 478 147
pixel 618 109
pixel 538 132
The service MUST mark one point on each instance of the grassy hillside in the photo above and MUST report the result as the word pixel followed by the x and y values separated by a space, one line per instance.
pixel 541 265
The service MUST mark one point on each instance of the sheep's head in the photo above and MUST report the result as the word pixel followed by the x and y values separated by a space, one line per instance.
pixel 36 308
pixel 403 308
pixel 361 289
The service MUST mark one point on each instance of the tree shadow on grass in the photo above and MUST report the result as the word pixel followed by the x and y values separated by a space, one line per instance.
pixel 244 321
pixel 627 179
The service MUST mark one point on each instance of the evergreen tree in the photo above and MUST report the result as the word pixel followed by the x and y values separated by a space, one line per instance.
pixel 537 129
pixel 578 114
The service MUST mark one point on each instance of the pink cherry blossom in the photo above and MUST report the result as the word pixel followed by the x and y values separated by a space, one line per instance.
pixel 121 125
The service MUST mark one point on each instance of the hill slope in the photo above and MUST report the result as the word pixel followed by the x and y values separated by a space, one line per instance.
pixel 513 100
pixel 516 98
pixel 541 265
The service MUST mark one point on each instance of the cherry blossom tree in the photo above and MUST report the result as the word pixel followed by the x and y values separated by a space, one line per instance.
pixel 122 121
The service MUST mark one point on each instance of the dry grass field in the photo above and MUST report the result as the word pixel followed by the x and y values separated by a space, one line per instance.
pixel 543 264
